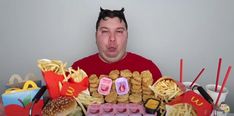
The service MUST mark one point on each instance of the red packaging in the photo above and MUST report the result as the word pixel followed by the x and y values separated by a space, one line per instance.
pixel 74 88
pixel 52 81
pixel 202 107
pixel 68 88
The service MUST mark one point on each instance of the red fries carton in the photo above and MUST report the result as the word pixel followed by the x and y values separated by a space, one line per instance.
pixel 52 81
pixel 60 81
pixel 57 86
pixel 74 88
pixel 201 106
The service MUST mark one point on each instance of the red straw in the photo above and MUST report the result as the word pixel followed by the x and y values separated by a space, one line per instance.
pixel 218 73
pixel 199 75
pixel 223 84
pixel 181 70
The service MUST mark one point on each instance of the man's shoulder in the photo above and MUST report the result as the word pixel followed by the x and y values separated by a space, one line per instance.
pixel 87 59
pixel 137 57
pixel 90 57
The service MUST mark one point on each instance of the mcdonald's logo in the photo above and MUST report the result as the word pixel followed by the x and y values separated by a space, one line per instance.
pixel 70 91
pixel 196 101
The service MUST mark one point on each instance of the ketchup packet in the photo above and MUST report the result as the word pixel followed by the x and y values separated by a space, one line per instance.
pixel 104 86
pixel 121 86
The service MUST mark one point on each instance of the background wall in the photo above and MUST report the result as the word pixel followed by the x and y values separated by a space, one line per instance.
pixel 198 31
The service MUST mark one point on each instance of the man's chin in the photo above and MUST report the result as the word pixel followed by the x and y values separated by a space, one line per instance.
pixel 112 55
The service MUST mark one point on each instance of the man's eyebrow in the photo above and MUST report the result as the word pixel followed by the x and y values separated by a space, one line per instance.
pixel 122 28
pixel 103 28
pixel 118 28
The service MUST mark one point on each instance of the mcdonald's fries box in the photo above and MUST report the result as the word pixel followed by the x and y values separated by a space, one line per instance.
pixel 189 103
pixel 68 88
pixel 18 101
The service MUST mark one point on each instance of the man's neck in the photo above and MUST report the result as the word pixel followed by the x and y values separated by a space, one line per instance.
pixel 112 60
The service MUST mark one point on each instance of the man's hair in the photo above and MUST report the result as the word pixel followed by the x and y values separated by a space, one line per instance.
pixel 111 13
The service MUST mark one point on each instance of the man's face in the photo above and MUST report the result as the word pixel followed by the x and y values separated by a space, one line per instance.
pixel 111 39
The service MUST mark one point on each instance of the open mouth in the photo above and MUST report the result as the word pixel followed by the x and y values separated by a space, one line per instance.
pixel 112 49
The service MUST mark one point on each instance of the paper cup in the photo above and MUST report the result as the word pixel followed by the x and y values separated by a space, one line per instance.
pixel 210 88
pixel 187 84
pixel 219 113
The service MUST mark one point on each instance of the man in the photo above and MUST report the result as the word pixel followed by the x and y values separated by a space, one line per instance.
pixel 111 40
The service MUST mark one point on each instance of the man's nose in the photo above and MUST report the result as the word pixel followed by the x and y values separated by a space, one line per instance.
pixel 112 37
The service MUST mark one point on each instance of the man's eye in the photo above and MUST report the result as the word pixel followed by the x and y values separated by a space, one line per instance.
pixel 104 31
pixel 119 31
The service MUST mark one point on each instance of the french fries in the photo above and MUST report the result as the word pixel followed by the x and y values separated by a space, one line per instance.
pixel 166 89
pixel 86 99
pixel 56 66
pixel 182 109
pixel 59 68
pixel 77 75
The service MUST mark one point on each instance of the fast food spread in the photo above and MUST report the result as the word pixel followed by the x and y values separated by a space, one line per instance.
pixel 117 87
pixel 120 92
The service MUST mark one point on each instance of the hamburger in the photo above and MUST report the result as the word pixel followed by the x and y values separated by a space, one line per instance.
pixel 62 106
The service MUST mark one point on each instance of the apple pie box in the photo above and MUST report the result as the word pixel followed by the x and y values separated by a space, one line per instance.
pixel 18 101
pixel 121 109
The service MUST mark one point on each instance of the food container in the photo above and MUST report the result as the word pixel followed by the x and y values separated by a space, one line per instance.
pixel 151 105
pixel 135 109
pixel 94 110
pixel 120 109
pixel 187 86
pixel 210 88
pixel 167 89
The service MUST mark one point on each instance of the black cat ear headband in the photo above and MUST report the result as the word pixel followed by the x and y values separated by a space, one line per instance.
pixel 111 13
pixel 105 10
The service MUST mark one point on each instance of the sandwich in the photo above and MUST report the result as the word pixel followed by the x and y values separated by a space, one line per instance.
pixel 62 106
